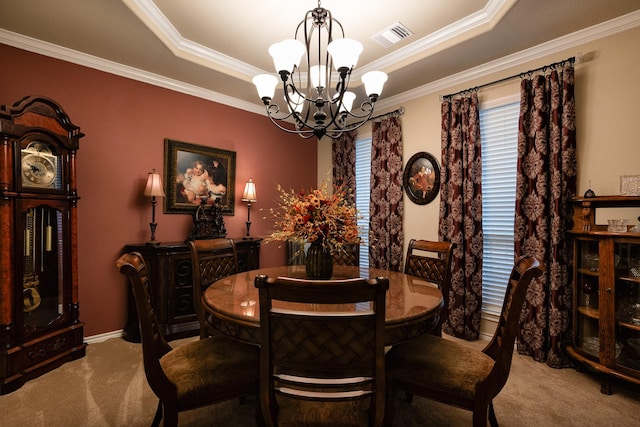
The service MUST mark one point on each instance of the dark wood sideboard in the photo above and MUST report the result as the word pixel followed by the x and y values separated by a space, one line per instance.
pixel 169 266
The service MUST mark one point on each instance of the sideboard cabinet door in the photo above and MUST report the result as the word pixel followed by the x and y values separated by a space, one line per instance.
pixel 169 266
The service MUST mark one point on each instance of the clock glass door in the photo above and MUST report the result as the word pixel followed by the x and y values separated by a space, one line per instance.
pixel 42 287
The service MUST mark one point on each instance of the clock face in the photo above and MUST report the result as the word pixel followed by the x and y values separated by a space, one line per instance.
pixel 39 147
pixel 38 170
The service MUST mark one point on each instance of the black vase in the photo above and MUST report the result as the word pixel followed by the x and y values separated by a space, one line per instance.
pixel 319 261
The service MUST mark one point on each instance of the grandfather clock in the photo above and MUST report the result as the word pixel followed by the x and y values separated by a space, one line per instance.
pixel 39 313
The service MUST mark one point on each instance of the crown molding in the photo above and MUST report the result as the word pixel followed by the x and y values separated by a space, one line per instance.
pixel 459 31
pixel 69 55
pixel 153 18
pixel 574 40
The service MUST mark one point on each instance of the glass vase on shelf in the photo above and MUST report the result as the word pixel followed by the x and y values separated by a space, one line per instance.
pixel 319 263
pixel 588 289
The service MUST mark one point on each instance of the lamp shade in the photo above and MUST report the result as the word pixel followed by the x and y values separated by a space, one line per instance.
pixel 266 85
pixel 154 185
pixel 249 194
pixel 374 82
pixel 319 76
pixel 287 54
pixel 347 101
pixel 344 52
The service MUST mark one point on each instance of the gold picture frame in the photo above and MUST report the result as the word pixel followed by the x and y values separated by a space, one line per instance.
pixel 196 174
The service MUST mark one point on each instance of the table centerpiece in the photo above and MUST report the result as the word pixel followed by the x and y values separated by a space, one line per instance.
pixel 326 220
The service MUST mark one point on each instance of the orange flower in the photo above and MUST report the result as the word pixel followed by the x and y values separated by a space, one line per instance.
pixel 316 215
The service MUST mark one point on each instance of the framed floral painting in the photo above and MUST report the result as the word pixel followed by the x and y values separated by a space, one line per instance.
pixel 195 174
pixel 421 178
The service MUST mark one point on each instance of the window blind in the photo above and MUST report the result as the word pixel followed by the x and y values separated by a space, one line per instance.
pixel 363 195
pixel 499 133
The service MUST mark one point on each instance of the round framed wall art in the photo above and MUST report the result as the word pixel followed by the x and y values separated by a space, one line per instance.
pixel 421 178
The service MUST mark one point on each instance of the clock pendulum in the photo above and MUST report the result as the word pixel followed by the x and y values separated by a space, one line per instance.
pixel 30 282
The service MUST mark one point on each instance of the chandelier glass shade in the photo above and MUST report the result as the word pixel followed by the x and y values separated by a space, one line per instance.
pixel 316 96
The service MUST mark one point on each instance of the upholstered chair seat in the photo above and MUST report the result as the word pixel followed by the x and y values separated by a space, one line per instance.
pixel 210 369
pixel 456 368
pixel 456 374
pixel 193 374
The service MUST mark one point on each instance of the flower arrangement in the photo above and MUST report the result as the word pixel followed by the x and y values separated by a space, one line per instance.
pixel 316 215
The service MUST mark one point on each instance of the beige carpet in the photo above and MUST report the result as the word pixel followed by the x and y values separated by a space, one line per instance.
pixel 108 388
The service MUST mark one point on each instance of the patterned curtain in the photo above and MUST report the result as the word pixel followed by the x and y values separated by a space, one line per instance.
pixel 461 213
pixel 545 185
pixel 343 153
pixel 386 208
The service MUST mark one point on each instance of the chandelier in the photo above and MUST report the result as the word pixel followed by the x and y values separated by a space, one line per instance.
pixel 309 101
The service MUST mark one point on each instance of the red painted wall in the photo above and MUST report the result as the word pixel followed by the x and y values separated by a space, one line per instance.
pixel 125 123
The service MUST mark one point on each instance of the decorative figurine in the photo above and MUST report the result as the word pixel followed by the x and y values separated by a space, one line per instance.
pixel 208 221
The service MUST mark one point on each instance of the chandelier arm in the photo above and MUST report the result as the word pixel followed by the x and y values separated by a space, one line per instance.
pixel 303 133
pixel 334 133
pixel 366 107
pixel 287 98
pixel 273 109
pixel 336 104
pixel 341 88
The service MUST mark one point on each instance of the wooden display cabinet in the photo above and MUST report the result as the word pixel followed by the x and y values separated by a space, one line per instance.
pixel 169 267
pixel 606 290
pixel 39 308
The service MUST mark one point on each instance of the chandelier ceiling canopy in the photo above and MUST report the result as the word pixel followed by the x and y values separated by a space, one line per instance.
pixel 309 98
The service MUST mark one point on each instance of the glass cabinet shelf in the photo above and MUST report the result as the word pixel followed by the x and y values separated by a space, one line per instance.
pixel 606 293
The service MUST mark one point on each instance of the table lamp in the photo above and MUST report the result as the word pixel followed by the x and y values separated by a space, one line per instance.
pixel 153 189
pixel 249 196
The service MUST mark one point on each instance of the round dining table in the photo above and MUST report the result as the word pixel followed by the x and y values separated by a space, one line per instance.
pixel 412 305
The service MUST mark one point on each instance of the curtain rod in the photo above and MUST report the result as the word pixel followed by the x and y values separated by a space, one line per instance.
pixel 394 113
pixel 521 75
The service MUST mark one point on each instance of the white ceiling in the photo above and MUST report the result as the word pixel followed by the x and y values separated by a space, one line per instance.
pixel 213 48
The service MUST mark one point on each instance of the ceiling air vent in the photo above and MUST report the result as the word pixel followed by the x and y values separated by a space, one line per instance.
pixel 392 34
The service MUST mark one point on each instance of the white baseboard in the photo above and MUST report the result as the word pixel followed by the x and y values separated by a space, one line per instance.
pixel 488 325
pixel 103 337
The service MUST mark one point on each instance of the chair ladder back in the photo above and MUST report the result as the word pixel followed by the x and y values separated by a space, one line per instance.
pixel 211 260
pixel 295 252
pixel 435 268
pixel 322 345
pixel 501 345
pixel 347 255
pixel 154 346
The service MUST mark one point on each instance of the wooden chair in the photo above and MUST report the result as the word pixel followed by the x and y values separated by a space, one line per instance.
pixel 295 252
pixel 435 268
pixel 322 367
pixel 194 374
pixel 211 259
pixel 350 255
pixel 455 374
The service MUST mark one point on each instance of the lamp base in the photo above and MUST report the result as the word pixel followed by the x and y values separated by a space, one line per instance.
pixel 247 238
pixel 152 243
